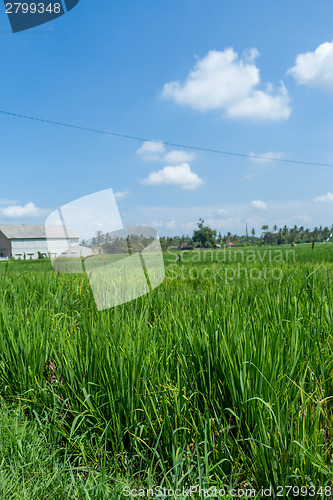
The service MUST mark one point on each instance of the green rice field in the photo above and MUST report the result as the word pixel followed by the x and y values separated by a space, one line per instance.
pixel 220 377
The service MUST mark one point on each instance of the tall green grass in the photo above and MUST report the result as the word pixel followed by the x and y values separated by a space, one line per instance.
pixel 33 466
pixel 203 381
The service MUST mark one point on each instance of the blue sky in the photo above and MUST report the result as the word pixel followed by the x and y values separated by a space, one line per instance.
pixel 247 77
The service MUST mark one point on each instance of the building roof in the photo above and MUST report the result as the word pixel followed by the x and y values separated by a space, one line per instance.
pixel 25 231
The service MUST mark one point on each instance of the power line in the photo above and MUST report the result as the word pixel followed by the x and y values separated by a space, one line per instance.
pixel 173 144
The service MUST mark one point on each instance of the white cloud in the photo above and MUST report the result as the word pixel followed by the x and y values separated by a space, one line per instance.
pixel 258 205
pixel 262 105
pixel 151 150
pixel 120 195
pixel 177 175
pixel 315 69
pixel 265 157
pixel 167 224
pixel 280 212
pixel 178 156
pixel 222 80
pixel 156 151
pixel 324 198
pixel 17 211
pixel 222 211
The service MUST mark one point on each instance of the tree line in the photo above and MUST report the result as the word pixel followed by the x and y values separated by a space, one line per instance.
pixel 117 242
pixel 206 237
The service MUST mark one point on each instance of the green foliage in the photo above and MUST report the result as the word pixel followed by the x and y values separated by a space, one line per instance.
pixel 204 236
pixel 278 236
pixel 117 243
pixel 34 467
pixel 203 380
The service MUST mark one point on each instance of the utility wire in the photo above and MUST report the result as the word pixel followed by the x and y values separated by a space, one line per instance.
pixel 173 144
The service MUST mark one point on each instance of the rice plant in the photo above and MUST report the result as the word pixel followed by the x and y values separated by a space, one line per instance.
pixel 214 378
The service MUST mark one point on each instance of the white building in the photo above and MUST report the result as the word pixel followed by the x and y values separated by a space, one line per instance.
pixel 29 242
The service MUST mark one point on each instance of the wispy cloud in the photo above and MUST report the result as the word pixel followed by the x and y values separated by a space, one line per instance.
pixel 156 151
pixel 5 201
pixel 20 211
pixel 258 205
pixel 324 198
pixel 120 195
pixel 265 157
pixel 178 156
pixel 300 212
pixel 151 151
pixel 167 224
pixel 260 162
